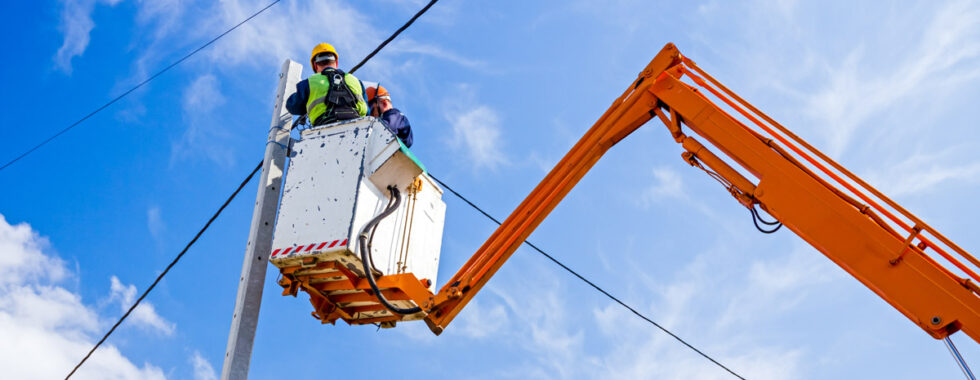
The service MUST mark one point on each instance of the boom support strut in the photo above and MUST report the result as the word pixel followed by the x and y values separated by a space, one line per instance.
pixel 855 226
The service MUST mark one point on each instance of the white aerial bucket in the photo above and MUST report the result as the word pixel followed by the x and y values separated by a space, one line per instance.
pixel 336 182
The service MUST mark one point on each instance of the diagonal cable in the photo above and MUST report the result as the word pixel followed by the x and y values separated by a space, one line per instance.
pixel 592 284
pixel 134 88
pixel 242 185
pixel 393 35
pixel 164 273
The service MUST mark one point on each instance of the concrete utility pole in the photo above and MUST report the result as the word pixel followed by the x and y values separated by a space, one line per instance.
pixel 243 322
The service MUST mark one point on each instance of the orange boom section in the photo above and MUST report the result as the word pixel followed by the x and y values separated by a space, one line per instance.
pixel 913 267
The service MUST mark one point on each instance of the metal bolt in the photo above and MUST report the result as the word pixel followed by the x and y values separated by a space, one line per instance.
pixel 936 320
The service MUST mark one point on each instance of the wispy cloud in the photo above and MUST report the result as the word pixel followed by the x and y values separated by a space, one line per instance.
pixel 950 47
pixel 76 26
pixel 683 305
pixel 410 46
pixel 777 285
pixel 202 368
pixel 155 223
pixel 145 314
pixel 666 184
pixel 480 321
pixel 165 15
pixel 41 319
pixel 558 344
pixel 268 40
pixel 476 134
pixel 206 136
pixel 921 172
pixel 476 130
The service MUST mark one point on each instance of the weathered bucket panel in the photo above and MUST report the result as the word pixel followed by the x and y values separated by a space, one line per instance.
pixel 336 181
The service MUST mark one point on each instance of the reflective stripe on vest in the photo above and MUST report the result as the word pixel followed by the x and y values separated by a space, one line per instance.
pixel 319 87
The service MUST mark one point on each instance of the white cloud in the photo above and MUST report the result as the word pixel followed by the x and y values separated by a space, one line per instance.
pixel 76 25
pixel 542 328
pixel 726 309
pixel 164 14
pixel 172 26
pixel 154 222
pixel 683 306
pixel 476 134
pixel 855 91
pixel 40 319
pixel 410 46
pixel 777 285
pixel 476 130
pixel 921 172
pixel 278 33
pixel 480 321
pixel 21 259
pixel 202 368
pixel 206 135
pixel 145 314
pixel 666 184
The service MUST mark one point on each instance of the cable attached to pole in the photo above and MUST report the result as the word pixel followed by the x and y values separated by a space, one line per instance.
pixel 593 285
pixel 167 269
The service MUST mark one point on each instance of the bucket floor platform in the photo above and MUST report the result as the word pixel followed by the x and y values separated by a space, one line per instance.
pixel 338 290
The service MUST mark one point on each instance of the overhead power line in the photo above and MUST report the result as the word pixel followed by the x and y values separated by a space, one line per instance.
pixel 230 198
pixel 166 270
pixel 393 35
pixel 592 284
pixel 134 88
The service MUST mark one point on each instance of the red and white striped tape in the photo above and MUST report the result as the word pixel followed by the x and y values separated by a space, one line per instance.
pixel 307 248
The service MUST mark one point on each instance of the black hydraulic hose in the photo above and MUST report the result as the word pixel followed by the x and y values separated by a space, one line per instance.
pixel 363 245
pixel 371 238
pixel 756 219
pixel 766 222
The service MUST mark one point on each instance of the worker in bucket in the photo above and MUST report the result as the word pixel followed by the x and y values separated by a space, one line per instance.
pixel 329 94
pixel 379 101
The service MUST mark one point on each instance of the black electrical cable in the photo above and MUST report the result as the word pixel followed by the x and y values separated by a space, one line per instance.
pixel 167 269
pixel 371 238
pixel 152 77
pixel 593 285
pixel 233 195
pixel 362 241
pixel 393 35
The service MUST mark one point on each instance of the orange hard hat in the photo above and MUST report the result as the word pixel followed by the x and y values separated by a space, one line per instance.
pixel 377 92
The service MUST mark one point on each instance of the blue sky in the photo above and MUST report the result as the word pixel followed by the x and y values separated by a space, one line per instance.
pixel 497 92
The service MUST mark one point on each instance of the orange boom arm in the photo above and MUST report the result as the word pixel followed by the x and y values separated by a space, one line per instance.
pixel 888 249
